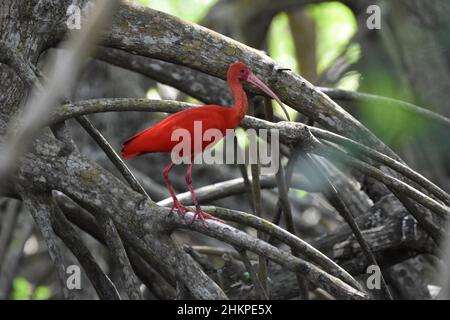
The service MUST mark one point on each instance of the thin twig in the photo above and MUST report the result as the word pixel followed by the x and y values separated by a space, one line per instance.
pixel 111 154
pixel 336 200
pixel 282 235
pixel 256 196
pixel 236 186
pixel 10 208
pixel 283 202
pixel 334 153
pixel 257 285
pixel 241 239
pixel 12 255
pixel 366 99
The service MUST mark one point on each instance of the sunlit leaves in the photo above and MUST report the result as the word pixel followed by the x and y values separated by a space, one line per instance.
pixel 41 293
pixel 23 290
pixel 280 43
pixel 336 24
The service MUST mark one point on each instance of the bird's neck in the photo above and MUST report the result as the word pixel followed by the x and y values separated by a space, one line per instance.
pixel 239 109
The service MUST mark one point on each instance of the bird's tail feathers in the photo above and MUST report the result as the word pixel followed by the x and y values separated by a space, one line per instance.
pixel 129 148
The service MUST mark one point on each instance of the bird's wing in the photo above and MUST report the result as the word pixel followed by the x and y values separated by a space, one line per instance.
pixel 158 138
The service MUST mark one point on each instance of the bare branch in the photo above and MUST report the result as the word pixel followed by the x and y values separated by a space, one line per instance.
pixel 336 200
pixel 255 279
pixel 15 60
pixel 282 235
pixel 101 282
pixel 205 88
pixel 242 240
pixel 283 202
pixel 134 214
pixel 233 187
pixel 390 181
pixel 10 207
pixel 119 255
pixel 40 207
pixel 62 77
pixel 111 154
pixel 366 99
pixel 13 253
pixel 140 258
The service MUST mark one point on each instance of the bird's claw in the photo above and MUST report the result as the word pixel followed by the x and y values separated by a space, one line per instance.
pixel 203 216
pixel 198 213
pixel 180 209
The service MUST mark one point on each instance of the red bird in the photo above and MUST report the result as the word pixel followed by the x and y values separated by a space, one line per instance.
pixel 158 138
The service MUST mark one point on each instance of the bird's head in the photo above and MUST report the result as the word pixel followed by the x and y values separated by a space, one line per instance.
pixel 242 72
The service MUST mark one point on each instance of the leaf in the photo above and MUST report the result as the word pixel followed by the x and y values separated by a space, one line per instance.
pixel 21 289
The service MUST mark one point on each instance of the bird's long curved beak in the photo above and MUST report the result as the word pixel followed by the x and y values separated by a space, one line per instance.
pixel 255 81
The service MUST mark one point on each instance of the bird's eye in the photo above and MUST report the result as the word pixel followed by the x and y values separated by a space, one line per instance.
pixel 242 70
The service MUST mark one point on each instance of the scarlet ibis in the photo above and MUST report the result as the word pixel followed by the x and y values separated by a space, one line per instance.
pixel 158 138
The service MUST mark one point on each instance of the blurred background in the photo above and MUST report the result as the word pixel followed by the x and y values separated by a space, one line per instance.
pixel 329 44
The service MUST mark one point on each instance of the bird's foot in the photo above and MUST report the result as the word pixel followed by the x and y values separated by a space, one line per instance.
pixel 202 215
pixel 180 209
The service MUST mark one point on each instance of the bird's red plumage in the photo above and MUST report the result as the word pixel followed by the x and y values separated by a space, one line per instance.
pixel 159 137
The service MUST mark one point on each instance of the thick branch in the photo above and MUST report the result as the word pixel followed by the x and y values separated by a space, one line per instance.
pixel 62 77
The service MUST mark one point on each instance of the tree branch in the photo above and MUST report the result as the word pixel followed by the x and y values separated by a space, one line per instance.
pixel 366 99
pixel 101 282
pixel 62 77
pixel 92 187
pixel 43 214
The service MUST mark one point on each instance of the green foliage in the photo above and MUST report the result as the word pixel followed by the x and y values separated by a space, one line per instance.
pixel 192 10
pixel 336 24
pixel 42 293
pixel 393 123
pixel 349 81
pixel 242 138
pixel 153 94
pixel 280 43
pixel 301 193
pixel 23 290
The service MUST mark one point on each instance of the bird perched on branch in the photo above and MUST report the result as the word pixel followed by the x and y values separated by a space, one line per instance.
pixel 159 138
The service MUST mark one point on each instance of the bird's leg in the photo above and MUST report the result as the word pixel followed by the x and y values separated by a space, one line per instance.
pixel 198 211
pixel 176 203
